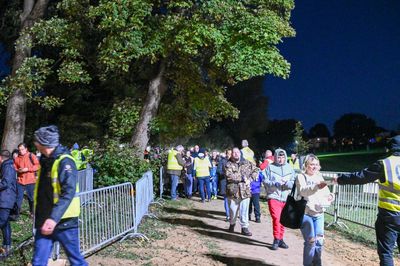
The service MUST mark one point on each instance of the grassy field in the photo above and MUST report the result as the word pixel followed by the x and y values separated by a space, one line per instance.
pixel 349 161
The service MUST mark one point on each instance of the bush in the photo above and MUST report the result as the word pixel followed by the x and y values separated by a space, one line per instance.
pixel 116 163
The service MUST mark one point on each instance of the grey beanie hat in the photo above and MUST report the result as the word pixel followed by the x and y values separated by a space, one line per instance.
pixel 48 136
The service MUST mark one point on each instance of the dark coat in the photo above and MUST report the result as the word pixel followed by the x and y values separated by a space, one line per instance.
pixel 8 185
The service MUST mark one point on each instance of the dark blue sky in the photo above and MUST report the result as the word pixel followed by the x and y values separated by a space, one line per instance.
pixel 345 58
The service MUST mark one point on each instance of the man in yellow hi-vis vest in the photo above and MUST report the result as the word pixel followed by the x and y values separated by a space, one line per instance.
pixel 174 168
pixel 387 225
pixel 247 153
pixel 56 206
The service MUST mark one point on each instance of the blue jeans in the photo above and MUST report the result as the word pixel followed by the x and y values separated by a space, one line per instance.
pixel 5 226
pixel 226 205
pixel 204 181
pixel 255 201
pixel 68 238
pixel 387 231
pixel 29 188
pixel 214 185
pixel 174 185
pixel 189 185
pixel 312 230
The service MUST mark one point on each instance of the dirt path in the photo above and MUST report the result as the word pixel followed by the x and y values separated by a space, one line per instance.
pixel 198 235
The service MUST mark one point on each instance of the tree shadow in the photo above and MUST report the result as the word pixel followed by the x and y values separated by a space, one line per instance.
pixel 190 223
pixel 195 212
pixel 237 261
pixel 234 237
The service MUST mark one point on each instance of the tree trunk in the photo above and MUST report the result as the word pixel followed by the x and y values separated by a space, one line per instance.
pixel 14 127
pixel 157 88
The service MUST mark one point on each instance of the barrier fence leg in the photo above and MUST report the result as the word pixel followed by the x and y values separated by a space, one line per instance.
pixel 336 209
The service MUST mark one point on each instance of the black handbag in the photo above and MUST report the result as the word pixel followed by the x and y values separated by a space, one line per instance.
pixel 293 211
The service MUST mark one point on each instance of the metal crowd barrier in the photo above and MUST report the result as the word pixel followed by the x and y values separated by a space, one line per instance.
pixel 108 215
pixel 354 203
pixel 85 180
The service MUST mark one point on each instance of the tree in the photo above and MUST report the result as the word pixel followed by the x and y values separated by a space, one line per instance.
pixel 194 49
pixel 179 56
pixel 301 146
pixel 14 128
pixel 356 127
pixel 29 73
pixel 319 131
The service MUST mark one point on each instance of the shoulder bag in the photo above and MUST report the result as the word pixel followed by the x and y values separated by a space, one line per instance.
pixel 293 211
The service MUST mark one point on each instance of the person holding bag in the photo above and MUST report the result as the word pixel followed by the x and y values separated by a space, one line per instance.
pixel 311 185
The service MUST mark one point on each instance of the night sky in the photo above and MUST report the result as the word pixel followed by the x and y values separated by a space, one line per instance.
pixel 345 59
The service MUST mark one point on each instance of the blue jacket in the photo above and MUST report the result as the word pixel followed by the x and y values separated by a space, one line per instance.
pixel 255 186
pixel 68 177
pixel 8 185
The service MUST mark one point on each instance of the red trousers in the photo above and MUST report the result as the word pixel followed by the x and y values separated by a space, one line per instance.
pixel 275 209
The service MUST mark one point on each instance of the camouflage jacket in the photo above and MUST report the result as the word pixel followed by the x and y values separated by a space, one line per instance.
pixel 239 176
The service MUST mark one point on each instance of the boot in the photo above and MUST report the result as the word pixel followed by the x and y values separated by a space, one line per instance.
pixel 246 232
pixel 231 228
pixel 283 244
pixel 258 220
pixel 5 250
pixel 275 245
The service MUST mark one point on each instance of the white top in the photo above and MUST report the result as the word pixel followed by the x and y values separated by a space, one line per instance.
pixel 317 199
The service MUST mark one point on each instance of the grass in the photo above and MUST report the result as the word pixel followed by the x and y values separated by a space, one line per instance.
pixel 353 232
pixel 20 231
pixel 350 161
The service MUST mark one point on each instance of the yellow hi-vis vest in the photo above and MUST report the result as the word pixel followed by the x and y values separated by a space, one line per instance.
pixel 389 191
pixel 296 164
pixel 202 167
pixel 248 154
pixel 77 158
pixel 73 209
pixel 172 163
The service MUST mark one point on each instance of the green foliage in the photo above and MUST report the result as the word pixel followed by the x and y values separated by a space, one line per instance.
pixel 124 116
pixel 116 164
pixel 301 146
pixel 30 78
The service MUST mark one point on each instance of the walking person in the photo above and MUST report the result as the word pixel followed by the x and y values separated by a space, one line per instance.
pixel 188 174
pixel 221 171
pixel 175 165
pixel 26 164
pixel 57 207
pixel 202 166
pixel 239 174
pixel 214 174
pixel 255 187
pixel 311 185
pixel 279 180
pixel 8 196
pixel 387 172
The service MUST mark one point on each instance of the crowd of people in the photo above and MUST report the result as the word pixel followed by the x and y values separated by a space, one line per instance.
pixel 238 178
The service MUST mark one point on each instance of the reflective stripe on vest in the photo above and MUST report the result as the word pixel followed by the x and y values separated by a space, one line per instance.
pixel 73 209
pixel 389 191
pixel 248 154
pixel 202 167
pixel 172 163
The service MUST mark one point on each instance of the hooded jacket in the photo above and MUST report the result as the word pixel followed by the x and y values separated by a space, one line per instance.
pixel 8 190
pixel 279 178
pixel 68 178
